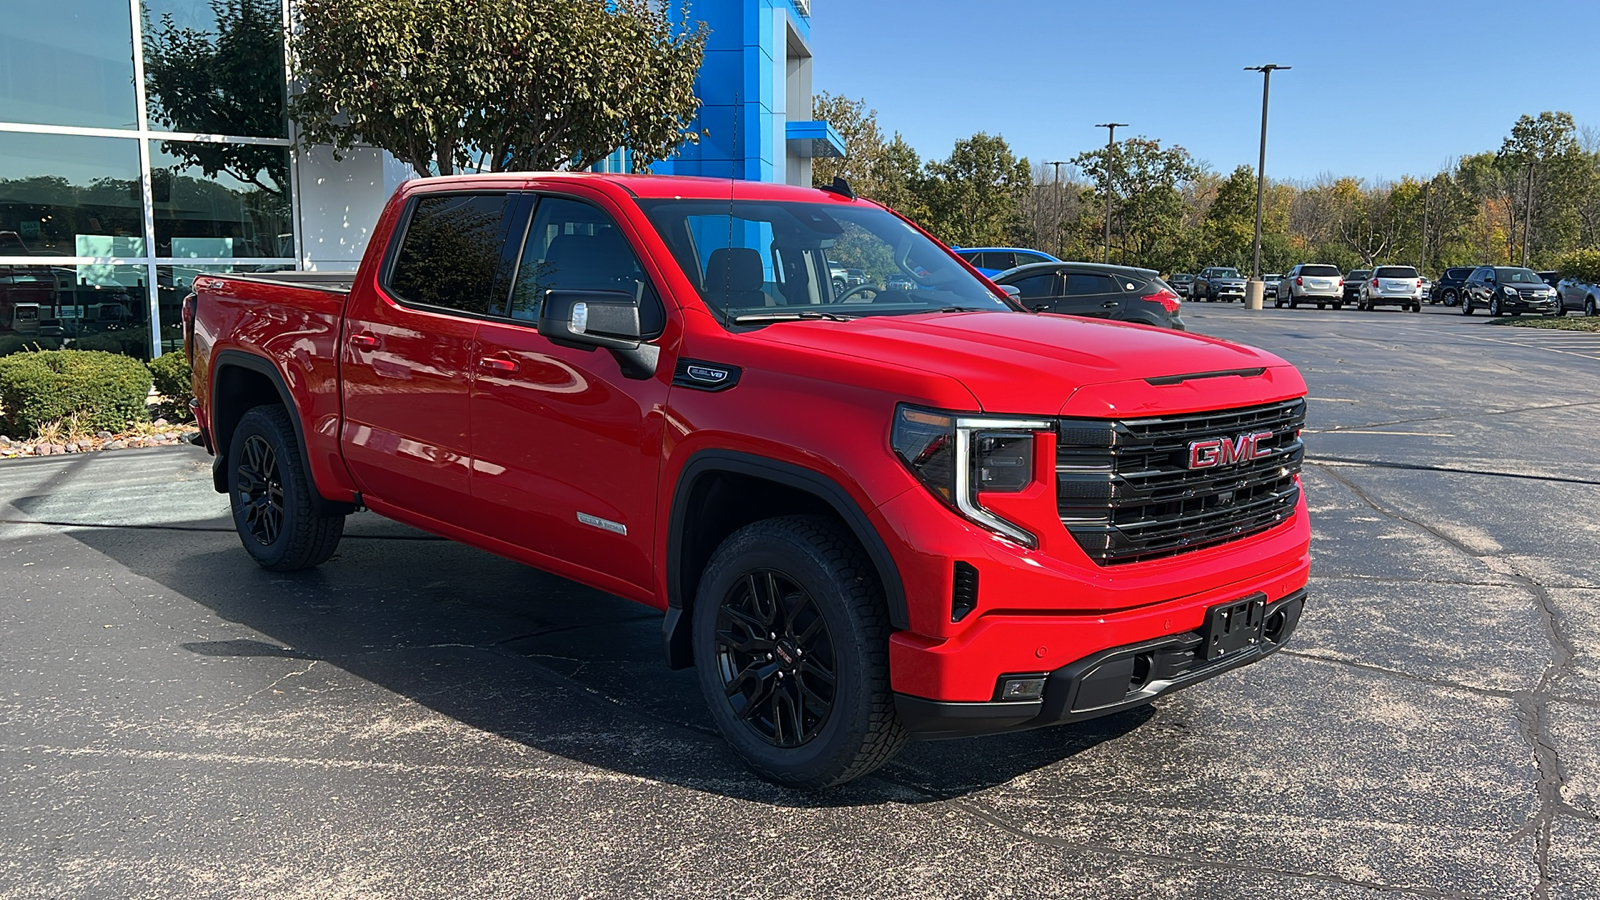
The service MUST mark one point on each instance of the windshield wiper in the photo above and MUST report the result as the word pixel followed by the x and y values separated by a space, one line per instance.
pixel 964 309
pixel 788 317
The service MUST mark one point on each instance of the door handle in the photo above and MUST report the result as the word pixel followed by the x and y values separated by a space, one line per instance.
pixel 496 364
pixel 364 341
pixel 1110 303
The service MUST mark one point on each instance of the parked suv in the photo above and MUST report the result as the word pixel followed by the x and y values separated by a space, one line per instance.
pixel 1573 294
pixel 1219 283
pixel 1447 289
pixel 1392 286
pixel 1352 284
pixel 1311 283
pixel 1183 283
pixel 1507 290
pixel 991 261
pixel 1098 291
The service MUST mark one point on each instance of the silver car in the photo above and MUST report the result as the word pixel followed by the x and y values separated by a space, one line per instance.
pixel 1392 286
pixel 1311 283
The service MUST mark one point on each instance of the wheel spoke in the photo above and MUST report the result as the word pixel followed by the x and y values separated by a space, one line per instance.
pixel 814 668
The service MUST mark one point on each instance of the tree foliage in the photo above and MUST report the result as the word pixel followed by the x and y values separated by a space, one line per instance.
pixel 497 85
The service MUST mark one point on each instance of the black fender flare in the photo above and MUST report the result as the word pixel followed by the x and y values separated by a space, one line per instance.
pixel 675 631
pixel 261 366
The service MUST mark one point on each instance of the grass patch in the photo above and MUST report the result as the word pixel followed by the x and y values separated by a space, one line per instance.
pixel 1552 323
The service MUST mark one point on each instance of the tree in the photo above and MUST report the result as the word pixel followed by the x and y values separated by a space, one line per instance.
pixel 229 82
pixel 1546 149
pixel 1230 223
pixel 885 172
pixel 974 196
pixel 1148 210
pixel 497 85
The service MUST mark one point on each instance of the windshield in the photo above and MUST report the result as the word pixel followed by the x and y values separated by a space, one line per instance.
pixel 1320 271
pixel 753 260
pixel 1517 276
pixel 1396 272
pixel 1224 273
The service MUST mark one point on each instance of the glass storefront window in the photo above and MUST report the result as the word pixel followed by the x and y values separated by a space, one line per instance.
pixel 68 195
pixel 173 283
pixel 87 307
pixel 67 63
pixel 221 200
pixel 215 68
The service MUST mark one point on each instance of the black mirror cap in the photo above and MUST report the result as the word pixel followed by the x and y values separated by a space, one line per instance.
pixel 590 319
pixel 1011 290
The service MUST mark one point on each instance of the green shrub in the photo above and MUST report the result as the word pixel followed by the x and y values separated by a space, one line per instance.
pixel 102 390
pixel 171 372
pixel 1583 265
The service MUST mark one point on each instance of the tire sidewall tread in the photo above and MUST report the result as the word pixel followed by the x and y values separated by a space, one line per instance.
pixel 307 539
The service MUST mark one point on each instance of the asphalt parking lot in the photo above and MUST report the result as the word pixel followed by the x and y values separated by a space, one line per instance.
pixel 419 719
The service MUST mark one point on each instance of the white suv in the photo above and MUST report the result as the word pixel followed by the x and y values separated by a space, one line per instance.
pixel 1396 285
pixel 1310 283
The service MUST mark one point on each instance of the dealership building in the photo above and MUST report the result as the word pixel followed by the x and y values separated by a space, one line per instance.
pixel 118 184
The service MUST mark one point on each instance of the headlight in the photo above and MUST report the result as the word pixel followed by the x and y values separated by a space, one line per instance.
pixel 1510 291
pixel 956 457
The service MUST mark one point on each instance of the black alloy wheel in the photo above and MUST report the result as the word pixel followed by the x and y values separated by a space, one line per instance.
pixel 259 484
pixel 275 507
pixel 1450 298
pixel 776 659
pixel 791 646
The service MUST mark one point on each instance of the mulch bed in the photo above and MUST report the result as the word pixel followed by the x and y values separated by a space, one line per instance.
pixel 161 433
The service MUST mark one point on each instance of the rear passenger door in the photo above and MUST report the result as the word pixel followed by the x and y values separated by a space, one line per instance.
pixel 407 362
pixel 1093 294
pixel 566 448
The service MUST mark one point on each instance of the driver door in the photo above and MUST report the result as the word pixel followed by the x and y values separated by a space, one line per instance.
pixel 1093 294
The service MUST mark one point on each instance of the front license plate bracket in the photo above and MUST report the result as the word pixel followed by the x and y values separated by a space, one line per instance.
pixel 1231 627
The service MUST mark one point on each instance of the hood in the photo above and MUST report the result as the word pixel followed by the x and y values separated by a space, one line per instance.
pixel 1034 364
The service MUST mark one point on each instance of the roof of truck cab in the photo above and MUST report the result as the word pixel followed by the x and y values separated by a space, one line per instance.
pixel 651 187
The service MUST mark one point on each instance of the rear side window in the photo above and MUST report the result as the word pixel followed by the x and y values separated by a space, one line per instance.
pixel 451 252
pixel 1395 272
pixel 999 259
pixel 1080 283
pixel 1320 271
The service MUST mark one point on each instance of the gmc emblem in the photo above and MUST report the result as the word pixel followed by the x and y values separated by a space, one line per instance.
pixel 1225 452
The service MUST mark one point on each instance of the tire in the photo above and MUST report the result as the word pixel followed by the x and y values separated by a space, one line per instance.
pixel 1338 306
pixel 1277 300
pixel 1294 302
pixel 1321 306
pixel 272 496
pixel 1494 307
pixel 1589 307
pixel 805 580
pixel 1416 307
pixel 1466 306
pixel 1450 298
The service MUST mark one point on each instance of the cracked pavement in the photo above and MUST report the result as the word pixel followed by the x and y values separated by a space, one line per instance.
pixel 419 719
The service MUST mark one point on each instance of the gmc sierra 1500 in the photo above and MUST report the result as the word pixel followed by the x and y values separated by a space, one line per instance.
pixel 907 507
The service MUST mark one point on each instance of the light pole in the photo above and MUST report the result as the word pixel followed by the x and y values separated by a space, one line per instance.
pixel 1111 147
pixel 1261 180
pixel 1055 227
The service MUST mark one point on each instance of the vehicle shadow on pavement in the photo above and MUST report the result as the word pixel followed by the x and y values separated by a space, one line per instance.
pixel 513 652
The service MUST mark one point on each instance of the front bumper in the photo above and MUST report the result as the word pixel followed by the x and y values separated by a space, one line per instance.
pixel 1102 683
pixel 1528 304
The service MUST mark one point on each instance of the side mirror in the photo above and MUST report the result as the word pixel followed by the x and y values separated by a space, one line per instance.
pixel 588 320
pixel 1011 290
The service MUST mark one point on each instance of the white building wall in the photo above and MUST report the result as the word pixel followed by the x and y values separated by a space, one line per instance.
pixel 340 201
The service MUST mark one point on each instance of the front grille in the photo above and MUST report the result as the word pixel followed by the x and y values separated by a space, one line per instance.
pixel 1126 493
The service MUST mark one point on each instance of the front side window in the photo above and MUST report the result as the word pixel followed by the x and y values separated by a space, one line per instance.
pixel 450 254
pixel 760 257
pixel 572 246
pixel 1036 287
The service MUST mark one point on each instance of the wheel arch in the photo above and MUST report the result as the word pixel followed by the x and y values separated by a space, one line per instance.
pixel 241 381
pixel 720 491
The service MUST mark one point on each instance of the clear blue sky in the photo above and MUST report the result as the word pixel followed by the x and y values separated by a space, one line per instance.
pixel 1378 90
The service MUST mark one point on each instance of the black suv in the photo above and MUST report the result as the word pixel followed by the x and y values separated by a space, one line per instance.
pixel 1507 289
pixel 1098 291
pixel 1447 289
pixel 1352 284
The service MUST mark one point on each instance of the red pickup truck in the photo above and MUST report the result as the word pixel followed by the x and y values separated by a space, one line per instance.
pixel 907 507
